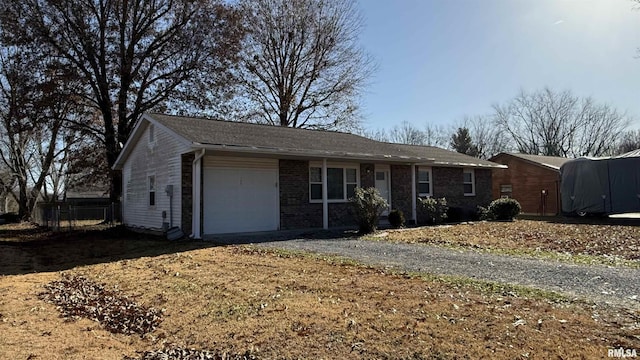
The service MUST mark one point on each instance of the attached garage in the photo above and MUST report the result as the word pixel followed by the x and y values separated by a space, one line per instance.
pixel 240 195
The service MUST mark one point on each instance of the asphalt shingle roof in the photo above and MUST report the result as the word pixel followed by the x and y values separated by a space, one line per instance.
pixel 281 139
pixel 553 162
pixel 448 158
pixel 304 142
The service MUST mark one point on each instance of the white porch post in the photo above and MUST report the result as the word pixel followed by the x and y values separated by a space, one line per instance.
pixel 196 194
pixel 325 202
pixel 414 212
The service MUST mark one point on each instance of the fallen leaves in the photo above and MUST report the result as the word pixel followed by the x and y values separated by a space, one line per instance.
pixel 611 241
pixel 77 296
pixel 178 353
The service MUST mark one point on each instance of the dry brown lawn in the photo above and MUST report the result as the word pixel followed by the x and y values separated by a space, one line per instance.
pixel 282 306
pixel 621 241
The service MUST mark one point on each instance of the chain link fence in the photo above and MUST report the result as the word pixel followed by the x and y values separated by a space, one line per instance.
pixel 65 216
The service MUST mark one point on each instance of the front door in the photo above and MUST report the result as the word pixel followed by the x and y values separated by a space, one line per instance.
pixel 383 184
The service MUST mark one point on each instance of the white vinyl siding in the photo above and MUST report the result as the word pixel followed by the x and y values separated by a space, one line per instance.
pixel 342 180
pixel 152 190
pixel 163 161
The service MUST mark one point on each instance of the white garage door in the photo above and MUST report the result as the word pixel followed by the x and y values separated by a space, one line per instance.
pixel 240 199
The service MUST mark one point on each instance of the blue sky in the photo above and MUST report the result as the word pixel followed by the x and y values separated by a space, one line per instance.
pixel 439 60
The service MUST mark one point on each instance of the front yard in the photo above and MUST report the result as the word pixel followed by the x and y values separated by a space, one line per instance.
pixel 240 300
pixel 581 242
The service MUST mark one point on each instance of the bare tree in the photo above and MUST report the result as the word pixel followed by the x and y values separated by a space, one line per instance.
pixel 406 133
pixel 560 124
pixel 629 141
pixel 378 135
pixel 487 137
pixel 36 100
pixel 303 64
pixel 435 135
pixel 133 55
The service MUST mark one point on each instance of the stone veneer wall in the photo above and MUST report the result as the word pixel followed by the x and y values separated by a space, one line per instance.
pixel 187 191
pixel 401 189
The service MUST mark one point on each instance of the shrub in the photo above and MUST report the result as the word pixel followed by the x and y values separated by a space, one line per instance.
pixel 368 205
pixel 396 218
pixel 483 213
pixel 435 210
pixel 504 209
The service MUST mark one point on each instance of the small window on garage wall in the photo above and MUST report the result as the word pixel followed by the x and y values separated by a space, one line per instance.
pixel 152 190
pixel 469 182
pixel 424 181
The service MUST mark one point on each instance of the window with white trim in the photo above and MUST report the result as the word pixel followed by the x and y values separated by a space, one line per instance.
pixel 469 182
pixel 315 183
pixel 341 183
pixel 424 181
pixel 152 190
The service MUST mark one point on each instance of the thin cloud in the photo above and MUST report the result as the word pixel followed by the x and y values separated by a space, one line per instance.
pixel 558 22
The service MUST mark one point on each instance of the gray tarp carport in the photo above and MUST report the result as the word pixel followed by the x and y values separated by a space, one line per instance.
pixel 601 185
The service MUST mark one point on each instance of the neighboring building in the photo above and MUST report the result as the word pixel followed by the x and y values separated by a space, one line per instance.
pixel 97 196
pixel 533 180
pixel 211 177
pixel 8 204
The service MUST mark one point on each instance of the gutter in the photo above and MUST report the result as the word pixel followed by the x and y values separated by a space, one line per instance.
pixel 313 154
pixel 196 181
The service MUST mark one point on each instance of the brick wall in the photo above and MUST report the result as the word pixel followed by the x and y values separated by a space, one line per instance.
pixel 367 175
pixel 447 183
pixel 401 189
pixel 527 181
pixel 484 191
pixel 295 210
pixel 340 214
pixel 187 191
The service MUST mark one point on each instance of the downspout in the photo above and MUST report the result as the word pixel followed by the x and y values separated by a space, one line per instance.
pixel 325 196
pixel 414 212
pixel 196 194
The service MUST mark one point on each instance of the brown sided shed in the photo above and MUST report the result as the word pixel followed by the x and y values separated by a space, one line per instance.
pixel 533 180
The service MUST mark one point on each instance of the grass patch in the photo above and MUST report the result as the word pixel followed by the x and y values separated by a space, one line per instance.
pixel 276 304
pixel 611 245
